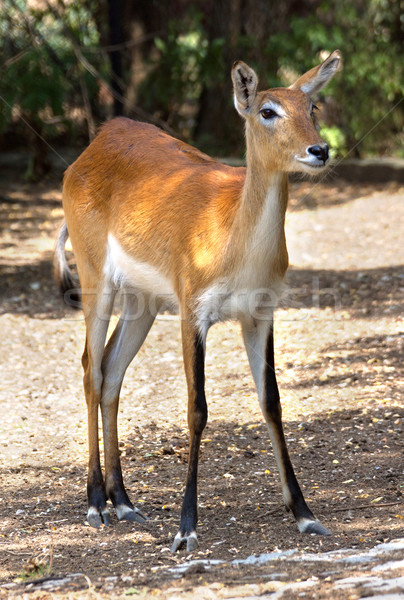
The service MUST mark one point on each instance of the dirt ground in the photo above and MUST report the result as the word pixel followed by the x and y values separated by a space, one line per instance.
pixel 339 350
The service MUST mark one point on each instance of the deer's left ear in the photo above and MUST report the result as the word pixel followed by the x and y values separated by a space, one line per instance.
pixel 312 81
pixel 245 82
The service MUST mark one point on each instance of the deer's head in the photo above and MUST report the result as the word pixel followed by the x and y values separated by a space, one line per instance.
pixel 280 128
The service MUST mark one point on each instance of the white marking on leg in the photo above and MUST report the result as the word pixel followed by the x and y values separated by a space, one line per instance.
pixel 122 510
pixel 94 515
pixel 180 539
pixel 303 524
pixel 131 334
pixel 192 535
pixel 255 340
pixel 312 526
pixel 97 321
pixel 255 335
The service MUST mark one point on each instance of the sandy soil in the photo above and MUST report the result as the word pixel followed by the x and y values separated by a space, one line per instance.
pixel 339 348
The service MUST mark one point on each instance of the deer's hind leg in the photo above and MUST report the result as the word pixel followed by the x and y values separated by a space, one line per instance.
pixel 122 347
pixel 97 306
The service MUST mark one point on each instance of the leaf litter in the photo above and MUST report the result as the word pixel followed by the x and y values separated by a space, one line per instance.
pixel 339 365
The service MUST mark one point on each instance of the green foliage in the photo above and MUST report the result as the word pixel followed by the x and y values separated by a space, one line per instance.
pixel 363 115
pixel 44 48
pixel 33 83
pixel 175 69
pixel 39 64
pixel 183 63
pixel 335 138
pixel 369 90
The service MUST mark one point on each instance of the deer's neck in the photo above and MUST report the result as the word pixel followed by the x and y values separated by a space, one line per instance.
pixel 258 233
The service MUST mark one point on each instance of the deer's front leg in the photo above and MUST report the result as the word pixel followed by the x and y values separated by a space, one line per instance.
pixel 259 343
pixel 194 362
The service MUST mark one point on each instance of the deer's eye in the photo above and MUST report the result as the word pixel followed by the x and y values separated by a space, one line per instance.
pixel 313 108
pixel 268 113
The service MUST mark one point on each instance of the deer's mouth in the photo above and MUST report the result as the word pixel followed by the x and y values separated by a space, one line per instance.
pixel 311 163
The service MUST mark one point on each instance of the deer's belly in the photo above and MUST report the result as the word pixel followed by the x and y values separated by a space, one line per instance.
pixel 222 302
pixel 140 277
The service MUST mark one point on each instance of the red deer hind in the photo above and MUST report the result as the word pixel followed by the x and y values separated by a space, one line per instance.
pixel 151 215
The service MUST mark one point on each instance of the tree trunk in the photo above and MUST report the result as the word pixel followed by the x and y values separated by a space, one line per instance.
pixel 218 127
pixel 245 26
pixel 116 39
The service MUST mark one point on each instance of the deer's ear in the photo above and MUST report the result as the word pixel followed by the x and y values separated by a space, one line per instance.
pixel 245 83
pixel 312 81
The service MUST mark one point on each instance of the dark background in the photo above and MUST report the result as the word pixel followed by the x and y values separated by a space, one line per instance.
pixel 68 66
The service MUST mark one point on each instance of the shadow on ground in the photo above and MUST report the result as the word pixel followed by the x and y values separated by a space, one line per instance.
pixel 348 463
pixel 368 293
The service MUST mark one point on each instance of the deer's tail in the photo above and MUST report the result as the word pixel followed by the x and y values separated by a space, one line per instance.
pixel 69 285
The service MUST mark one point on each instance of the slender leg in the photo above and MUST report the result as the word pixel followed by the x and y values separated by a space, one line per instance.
pixel 122 347
pixel 97 310
pixel 259 343
pixel 194 361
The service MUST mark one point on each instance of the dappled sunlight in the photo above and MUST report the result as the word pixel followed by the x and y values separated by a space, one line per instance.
pixel 338 348
pixel 346 461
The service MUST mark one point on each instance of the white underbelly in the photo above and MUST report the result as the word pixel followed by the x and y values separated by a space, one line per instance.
pixel 222 301
pixel 127 272
pixel 242 297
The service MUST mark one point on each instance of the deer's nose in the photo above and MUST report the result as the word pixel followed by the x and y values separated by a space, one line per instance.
pixel 320 152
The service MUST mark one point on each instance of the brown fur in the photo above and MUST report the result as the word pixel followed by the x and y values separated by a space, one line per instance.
pixel 174 207
pixel 194 221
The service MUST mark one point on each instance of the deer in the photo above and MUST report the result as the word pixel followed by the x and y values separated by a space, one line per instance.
pixel 155 218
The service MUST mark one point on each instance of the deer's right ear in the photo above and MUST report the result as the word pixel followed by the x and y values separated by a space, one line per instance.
pixel 245 83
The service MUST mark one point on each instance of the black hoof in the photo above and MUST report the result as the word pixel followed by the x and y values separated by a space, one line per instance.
pixel 310 526
pixel 97 517
pixel 180 540
pixel 127 513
